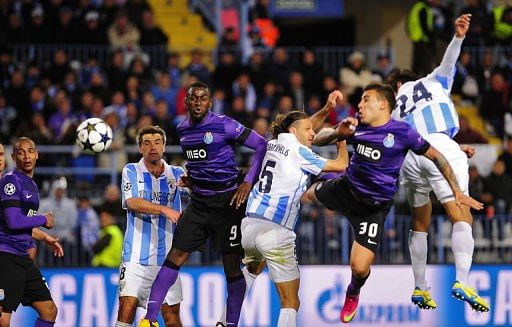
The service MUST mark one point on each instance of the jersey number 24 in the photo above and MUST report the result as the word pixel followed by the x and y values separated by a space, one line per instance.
pixel 419 92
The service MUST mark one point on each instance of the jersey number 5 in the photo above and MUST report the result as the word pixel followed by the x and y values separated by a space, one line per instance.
pixel 265 172
pixel 419 92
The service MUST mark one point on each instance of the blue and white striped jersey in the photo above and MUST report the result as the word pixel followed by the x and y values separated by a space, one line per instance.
pixel 148 238
pixel 425 104
pixel 286 171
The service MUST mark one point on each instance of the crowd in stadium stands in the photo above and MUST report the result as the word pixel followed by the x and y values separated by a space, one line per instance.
pixel 47 102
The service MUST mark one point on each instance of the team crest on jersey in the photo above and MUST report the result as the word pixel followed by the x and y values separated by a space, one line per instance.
pixel 9 189
pixel 208 137
pixel 2 294
pixel 389 141
pixel 171 182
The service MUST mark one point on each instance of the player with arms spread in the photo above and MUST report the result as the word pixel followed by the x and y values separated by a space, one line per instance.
pixel 426 106
pixel 365 194
pixel 217 200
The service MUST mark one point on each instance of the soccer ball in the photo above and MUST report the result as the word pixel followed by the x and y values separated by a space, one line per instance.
pixel 93 135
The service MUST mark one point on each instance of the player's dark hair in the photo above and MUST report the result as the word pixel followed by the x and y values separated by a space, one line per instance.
pixel 150 130
pixel 200 85
pixel 284 121
pixel 400 76
pixel 17 142
pixel 384 91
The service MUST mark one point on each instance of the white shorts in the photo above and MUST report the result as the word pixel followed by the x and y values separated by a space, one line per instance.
pixel 420 175
pixel 136 280
pixel 265 240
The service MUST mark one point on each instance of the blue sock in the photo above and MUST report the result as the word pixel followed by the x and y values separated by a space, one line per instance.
pixel 164 280
pixel 236 292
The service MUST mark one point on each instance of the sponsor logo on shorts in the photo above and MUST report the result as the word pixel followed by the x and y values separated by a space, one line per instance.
pixel 371 242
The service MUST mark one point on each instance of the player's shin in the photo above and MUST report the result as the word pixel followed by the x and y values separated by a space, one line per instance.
pixel 356 284
pixel 236 293
pixel 164 280
pixel 249 280
pixel 462 247
pixel 418 248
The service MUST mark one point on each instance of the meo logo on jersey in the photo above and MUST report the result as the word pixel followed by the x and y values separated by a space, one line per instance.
pixel 196 154
pixel 368 152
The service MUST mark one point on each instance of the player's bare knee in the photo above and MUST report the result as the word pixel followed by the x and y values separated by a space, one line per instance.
pixel 292 302
pixel 177 257
pixel 359 269
pixel 127 310
pixel 171 319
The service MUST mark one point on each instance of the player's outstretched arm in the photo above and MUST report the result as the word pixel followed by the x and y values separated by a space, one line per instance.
pixel 341 162
pixel 452 52
pixel 341 132
pixel 321 115
pixel 445 169
pixel 15 219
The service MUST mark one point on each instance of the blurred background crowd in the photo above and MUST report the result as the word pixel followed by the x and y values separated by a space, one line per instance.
pixel 129 62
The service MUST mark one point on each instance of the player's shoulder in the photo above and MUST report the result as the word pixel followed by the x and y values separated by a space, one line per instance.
pixel 9 177
pixel 173 171
pixel 399 126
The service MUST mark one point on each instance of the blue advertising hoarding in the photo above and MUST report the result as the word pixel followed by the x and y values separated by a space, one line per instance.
pixel 88 297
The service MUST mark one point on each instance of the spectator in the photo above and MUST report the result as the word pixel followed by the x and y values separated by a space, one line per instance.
pixel 198 68
pixel 116 71
pixel 84 109
pixel 165 121
pixel 468 135
pixel 499 186
pixel 117 151
pixel 285 105
pixel 312 72
pixel 150 34
pixel 38 31
pixel 136 10
pixel 108 11
pixel 57 71
pixel 261 126
pixel 465 83
pixel 132 91
pixel 7 67
pixel 243 88
pixel 254 42
pixel 97 86
pixel 164 90
pixel 228 41
pixel 117 105
pixel 15 32
pixel 88 223
pixel 8 116
pixel 65 31
pixel 107 250
pixel 72 88
pixel 17 94
pixel 226 72
pixel 384 67
pixel 239 112
pixel 61 120
pixel 173 68
pixel 481 23
pixel 111 201
pixel 38 103
pixel 90 66
pixel 502 31
pixel 122 34
pixel 64 210
pixel 420 26
pixel 36 129
pixel 495 102
pixel 260 10
pixel 33 75
pixel 355 77
pixel 297 91
pixel 506 157
pixel 269 98
pixel 258 71
pixel 93 31
pixel 280 69
pixel 139 69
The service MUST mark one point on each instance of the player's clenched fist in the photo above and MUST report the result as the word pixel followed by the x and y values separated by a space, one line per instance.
pixel 334 98
pixel 171 214
pixel 462 25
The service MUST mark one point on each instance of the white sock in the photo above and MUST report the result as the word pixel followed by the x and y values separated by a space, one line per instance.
pixel 462 247
pixel 122 324
pixel 287 318
pixel 418 248
pixel 249 280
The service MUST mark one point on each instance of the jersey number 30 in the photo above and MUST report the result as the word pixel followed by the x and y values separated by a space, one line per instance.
pixel 419 92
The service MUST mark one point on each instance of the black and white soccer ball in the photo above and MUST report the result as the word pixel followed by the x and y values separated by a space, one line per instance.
pixel 93 135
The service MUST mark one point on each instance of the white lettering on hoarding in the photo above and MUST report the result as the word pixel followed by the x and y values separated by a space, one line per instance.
pixel 503 299
pixel 480 281
pixel 64 285
pixel 188 292
pixel 211 298
pixel 94 301
pixel 256 307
